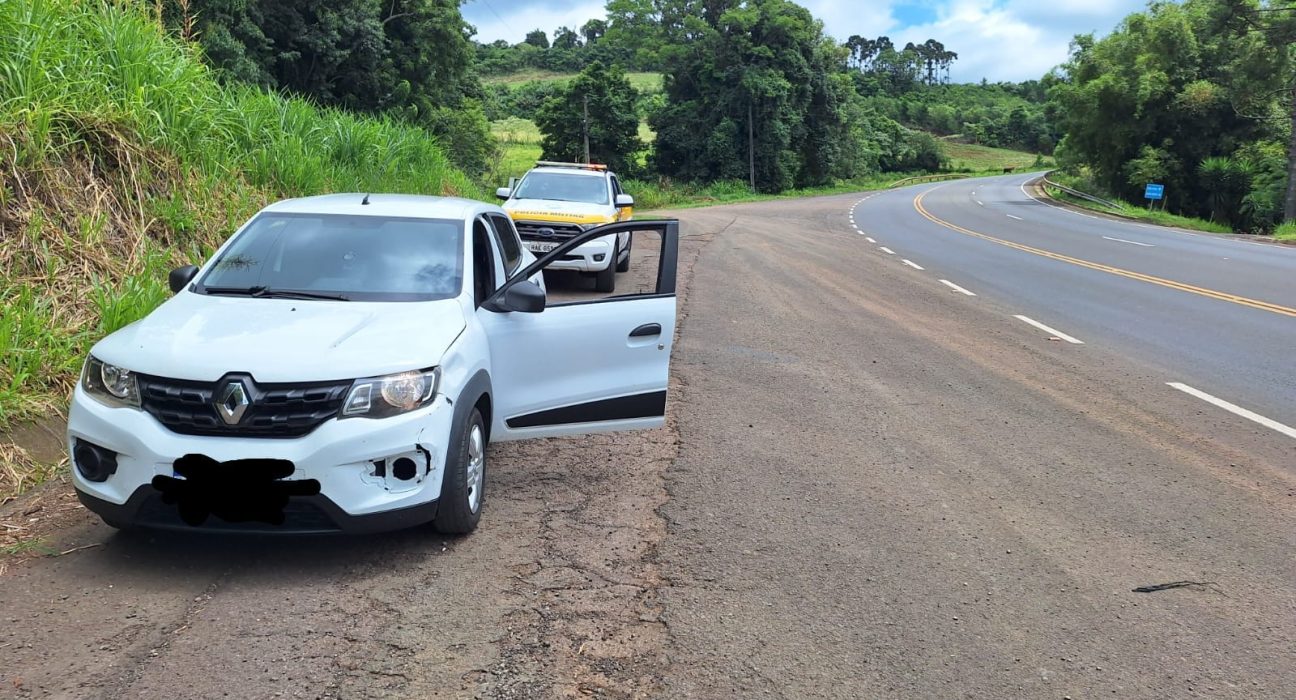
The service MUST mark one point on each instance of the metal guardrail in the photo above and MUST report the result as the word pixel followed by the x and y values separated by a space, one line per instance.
pixel 1076 193
pixel 928 178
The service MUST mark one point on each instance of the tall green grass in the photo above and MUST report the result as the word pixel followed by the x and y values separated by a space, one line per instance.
pixel 1286 232
pixel 121 156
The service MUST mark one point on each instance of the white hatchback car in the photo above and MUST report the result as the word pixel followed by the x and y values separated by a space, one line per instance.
pixel 341 363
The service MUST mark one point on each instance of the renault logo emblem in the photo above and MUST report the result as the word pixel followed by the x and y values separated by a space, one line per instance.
pixel 232 402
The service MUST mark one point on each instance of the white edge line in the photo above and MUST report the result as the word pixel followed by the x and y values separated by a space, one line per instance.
pixel 1122 240
pixel 912 264
pixel 1046 329
pixel 887 250
pixel 956 288
pixel 1235 409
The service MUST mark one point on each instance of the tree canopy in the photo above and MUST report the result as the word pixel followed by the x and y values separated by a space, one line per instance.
pixel 409 58
pixel 613 122
pixel 1180 95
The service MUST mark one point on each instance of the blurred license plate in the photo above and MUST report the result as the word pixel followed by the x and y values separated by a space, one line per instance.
pixel 539 246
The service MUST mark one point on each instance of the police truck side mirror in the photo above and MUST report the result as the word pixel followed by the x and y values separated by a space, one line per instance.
pixel 503 192
pixel 624 200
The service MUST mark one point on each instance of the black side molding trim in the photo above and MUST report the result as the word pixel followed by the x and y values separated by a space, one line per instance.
pixel 648 405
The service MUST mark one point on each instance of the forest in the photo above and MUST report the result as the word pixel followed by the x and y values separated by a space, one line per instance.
pixel 1197 96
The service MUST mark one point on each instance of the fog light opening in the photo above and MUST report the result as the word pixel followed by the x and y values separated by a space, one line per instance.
pixel 404 469
pixel 598 257
pixel 93 462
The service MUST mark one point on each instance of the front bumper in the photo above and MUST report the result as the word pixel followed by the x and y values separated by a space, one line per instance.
pixel 353 493
pixel 594 256
pixel 303 515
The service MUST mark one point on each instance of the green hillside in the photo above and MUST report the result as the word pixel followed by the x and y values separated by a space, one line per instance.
pixel 644 82
pixel 121 157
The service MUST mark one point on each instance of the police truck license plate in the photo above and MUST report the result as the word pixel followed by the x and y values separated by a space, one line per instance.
pixel 539 246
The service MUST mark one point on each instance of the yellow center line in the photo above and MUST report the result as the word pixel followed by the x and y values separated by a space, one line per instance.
pixel 1222 296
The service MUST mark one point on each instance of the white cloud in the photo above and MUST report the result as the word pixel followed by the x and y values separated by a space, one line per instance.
pixel 510 21
pixel 992 43
pixel 841 18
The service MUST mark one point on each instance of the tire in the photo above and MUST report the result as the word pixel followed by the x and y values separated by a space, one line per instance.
pixel 605 279
pixel 463 488
pixel 624 265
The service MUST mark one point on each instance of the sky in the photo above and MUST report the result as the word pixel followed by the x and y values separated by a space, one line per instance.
pixel 1010 40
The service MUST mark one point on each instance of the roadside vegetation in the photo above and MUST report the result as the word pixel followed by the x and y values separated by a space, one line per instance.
pixel 1199 97
pixel 121 156
pixel 1125 209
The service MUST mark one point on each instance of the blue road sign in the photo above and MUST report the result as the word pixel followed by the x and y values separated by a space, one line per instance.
pixel 1154 192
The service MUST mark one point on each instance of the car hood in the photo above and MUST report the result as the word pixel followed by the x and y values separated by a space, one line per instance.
pixel 554 210
pixel 202 337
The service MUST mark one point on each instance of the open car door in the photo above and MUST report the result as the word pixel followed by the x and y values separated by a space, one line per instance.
pixel 568 362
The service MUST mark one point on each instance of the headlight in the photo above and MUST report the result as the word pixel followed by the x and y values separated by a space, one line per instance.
pixel 392 395
pixel 110 384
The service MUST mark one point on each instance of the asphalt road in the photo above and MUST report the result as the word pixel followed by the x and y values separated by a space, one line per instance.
pixel 871 485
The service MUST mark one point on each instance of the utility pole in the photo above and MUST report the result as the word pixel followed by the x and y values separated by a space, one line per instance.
pixel 1289 200
pixel 751 148
pixel 585 123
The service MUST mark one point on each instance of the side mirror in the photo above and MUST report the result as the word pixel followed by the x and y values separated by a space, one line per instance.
pixel 181 277
pixel 503 192
pixel 524 296
pixel 624 200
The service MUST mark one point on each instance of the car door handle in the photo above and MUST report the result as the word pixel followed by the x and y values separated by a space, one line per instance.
pixel 646 330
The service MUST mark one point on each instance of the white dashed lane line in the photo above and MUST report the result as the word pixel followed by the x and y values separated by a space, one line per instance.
pixel 870 240
pixel 956 288
pixel 1050 331
pixel 1235 409
pixel 912 264
pixel 1010 216
pixel 887 250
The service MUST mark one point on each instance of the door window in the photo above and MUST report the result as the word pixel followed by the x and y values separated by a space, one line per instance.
pixel 484 264
pixel 509 244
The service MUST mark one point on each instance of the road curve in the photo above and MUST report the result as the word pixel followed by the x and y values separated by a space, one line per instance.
pixel 1206 310
pixel 877 480
pixel 891 485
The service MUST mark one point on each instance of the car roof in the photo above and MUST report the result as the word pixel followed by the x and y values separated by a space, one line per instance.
pixel 403 205
pixel 570 171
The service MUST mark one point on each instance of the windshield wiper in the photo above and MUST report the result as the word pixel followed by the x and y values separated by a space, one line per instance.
pixel 264 291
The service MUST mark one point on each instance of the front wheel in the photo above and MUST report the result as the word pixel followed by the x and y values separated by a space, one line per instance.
pixel 463 487
pixel 605 279
pixel 624 265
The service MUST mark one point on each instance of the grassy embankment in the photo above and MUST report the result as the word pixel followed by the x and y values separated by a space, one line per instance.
pixel 121 157
pixel 1125 209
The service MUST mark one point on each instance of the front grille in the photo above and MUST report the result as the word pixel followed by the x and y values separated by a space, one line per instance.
pixel 531 230
pixel 274 410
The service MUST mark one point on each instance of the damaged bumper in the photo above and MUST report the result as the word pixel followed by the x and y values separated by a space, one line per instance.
pixel 352 475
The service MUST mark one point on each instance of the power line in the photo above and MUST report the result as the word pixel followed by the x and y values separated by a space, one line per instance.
pixel 499 17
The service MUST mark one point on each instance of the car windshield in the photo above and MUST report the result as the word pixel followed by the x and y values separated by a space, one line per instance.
pixel 564 188
pixel 363 258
